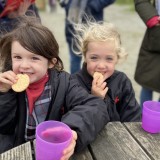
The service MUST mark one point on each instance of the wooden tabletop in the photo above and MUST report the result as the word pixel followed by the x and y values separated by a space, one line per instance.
pixel 22 152
pixel 117 141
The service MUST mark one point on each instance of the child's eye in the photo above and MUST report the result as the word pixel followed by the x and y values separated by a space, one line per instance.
pixel 35 58
pixel 17 57
pixel 109 59
pixel 93 58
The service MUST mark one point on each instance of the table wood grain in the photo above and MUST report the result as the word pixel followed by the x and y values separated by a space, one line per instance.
pixel 84 155
pixel 149 142
pixel 22 152
pixel 115 143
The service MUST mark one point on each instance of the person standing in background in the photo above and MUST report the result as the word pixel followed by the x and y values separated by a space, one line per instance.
pixel 147 72
pixel 53 5
pixel 11 9
pixel 77 11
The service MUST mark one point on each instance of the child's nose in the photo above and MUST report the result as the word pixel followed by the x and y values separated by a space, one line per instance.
pixel 24 64
pixel 101 64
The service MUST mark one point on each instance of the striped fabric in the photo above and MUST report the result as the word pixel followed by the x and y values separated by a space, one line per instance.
pixel 39 112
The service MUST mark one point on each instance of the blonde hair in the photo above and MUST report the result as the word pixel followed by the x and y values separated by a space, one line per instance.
pixel 97 31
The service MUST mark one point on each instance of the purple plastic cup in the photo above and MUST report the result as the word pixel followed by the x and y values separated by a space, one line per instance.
pixel 52 137
pixel 151 116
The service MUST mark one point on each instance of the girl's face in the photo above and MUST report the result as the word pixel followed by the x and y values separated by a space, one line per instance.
pixel 101 57
pixel 26 62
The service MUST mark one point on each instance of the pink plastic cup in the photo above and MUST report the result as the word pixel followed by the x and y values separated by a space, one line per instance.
pixel 151 116
pixel 52 137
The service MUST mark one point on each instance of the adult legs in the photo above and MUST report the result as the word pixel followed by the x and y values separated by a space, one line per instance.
pixel 146 94
pixel 53 5
pixel 75 61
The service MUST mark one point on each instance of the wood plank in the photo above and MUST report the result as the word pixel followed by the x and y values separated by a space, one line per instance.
pixel 22 152
pixel 149 142
pixel 84 155
pixel 116 143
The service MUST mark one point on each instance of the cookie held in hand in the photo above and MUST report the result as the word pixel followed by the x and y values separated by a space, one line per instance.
pixel 22 83
pixel 98 74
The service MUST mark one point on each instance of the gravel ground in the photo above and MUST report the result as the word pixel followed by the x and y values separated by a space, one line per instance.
pixel 128 23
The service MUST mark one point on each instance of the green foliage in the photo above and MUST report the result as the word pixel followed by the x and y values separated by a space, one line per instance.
pixel 126 2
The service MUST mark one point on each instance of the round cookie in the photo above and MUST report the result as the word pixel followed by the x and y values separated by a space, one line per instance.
pixel 22 83
pixel 98 74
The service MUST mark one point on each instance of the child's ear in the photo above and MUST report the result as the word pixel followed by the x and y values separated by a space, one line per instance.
pixel 52 63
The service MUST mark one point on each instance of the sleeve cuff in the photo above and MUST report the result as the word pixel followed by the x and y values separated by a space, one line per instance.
pixel 152 22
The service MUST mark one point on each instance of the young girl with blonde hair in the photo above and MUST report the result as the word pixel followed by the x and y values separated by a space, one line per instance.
pixel 101 47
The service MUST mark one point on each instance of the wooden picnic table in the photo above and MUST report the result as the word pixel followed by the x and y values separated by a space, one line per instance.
pixel 117 141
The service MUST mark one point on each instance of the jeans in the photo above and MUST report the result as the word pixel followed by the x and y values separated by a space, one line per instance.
pixel 146 95
pixel 75 61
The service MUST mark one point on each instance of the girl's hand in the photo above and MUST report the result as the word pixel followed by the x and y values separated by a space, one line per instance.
pixel 7 79
pixel 99 87
pixel 67 153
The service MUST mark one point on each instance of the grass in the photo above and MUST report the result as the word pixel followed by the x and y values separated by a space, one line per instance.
pixel 126 2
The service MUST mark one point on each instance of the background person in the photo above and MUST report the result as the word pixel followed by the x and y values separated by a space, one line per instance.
pixel 147 72
pixel 10 10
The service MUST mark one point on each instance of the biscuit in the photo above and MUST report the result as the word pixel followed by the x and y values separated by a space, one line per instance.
pixel 22 83
pixel 98 74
